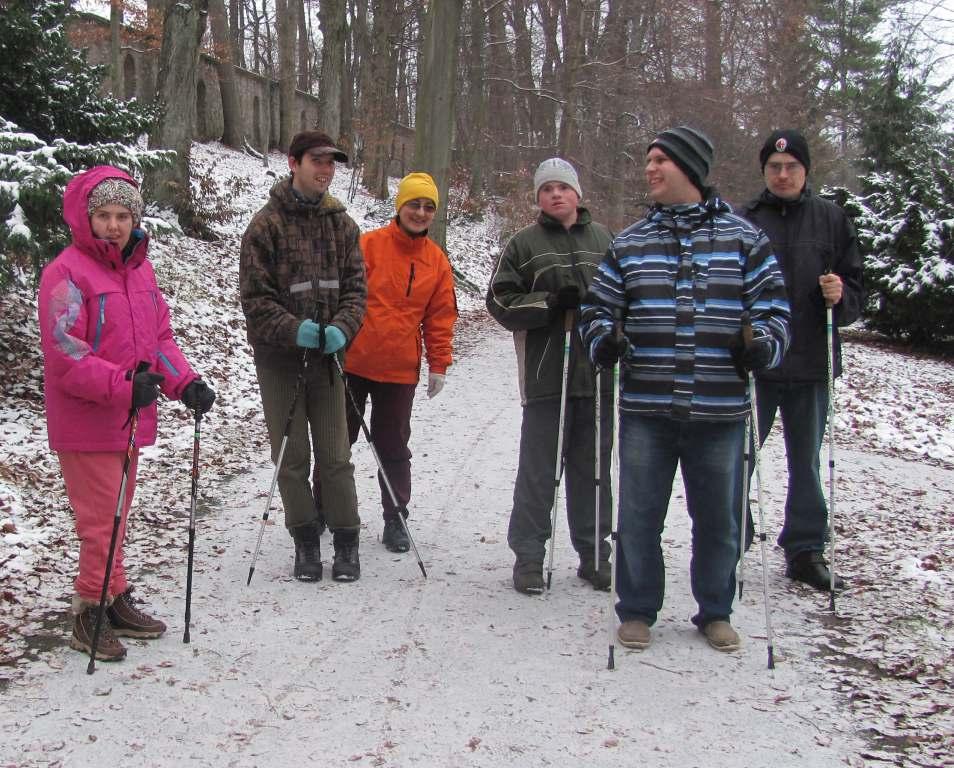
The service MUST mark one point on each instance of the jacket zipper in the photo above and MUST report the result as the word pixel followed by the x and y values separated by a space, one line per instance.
pixel 101 321
pixel 410 280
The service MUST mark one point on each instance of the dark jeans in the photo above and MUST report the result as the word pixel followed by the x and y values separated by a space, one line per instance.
pixel 710 455
pixel 804 409
pixel 390 429
pixel 533 492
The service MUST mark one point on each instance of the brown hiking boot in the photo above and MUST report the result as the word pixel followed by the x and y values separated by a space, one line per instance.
pixel 128 621
pixel 108 648
pixel 721 636
pixel 634 634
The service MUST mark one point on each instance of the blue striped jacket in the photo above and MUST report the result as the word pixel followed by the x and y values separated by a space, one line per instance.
pixel 680 280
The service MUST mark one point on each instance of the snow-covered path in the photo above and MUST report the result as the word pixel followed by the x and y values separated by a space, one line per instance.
pixel 458 670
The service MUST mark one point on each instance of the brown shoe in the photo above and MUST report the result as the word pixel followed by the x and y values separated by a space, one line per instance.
pixel 721 636
pixel 108 648
pixel 528 577
pixel 128 621
pixel 634 634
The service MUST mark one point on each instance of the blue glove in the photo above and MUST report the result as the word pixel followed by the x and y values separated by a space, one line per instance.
pixel 309 336
pixel 334 339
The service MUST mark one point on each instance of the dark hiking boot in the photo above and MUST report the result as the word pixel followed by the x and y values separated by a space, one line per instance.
pixel 528 577
pixel 394 536
pixel 108 648
pixel 811 568
pixel 307 552
pixel 599 578
pixel 127 620
pixel 346 566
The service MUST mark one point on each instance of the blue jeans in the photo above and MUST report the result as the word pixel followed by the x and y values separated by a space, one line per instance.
pixel 710 454
pixel 804 409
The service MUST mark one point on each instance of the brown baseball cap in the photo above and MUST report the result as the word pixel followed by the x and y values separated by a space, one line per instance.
pixel 315 140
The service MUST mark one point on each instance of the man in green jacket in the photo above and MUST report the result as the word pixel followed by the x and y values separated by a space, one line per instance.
pixel 304 292
pixel 535 290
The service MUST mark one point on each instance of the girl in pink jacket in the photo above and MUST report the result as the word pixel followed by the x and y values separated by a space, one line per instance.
pixel 101 314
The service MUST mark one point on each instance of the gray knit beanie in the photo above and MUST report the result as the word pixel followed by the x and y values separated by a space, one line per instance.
pixel 689 149
pixel 556 169
pixel 116 192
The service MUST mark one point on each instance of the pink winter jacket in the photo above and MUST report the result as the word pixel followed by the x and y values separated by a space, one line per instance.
pixel 98 318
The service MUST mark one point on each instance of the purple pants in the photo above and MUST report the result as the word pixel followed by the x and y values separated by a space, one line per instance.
pixel 390 432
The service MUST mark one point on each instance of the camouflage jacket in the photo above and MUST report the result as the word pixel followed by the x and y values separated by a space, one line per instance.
pixel 299 261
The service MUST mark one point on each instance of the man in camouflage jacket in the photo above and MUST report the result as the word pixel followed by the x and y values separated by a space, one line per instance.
pixel 304 295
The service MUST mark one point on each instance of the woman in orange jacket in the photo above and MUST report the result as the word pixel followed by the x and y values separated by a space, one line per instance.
pixel 411 310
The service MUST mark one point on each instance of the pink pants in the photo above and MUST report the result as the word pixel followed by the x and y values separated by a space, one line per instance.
pixel 92 481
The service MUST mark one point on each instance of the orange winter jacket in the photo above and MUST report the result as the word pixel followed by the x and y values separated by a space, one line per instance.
pixel 411 308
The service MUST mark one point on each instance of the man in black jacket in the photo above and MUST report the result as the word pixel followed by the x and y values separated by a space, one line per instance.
pixel 815 244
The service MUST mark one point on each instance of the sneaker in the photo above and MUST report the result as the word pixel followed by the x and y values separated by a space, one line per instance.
pixel 810 568
pixel 600 578
pixel 346 566
pixel 108 648
pixel 634 633
pixel 721 636
pixel 528 577
pixel 127 620
pixel 395 537
pixel 307 552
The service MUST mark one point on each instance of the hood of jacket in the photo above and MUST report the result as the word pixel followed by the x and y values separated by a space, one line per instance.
pixel 75 214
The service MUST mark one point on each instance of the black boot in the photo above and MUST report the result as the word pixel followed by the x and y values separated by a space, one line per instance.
pixel 811 568
pixel 307 552
pixel 346 566
pixel 394 536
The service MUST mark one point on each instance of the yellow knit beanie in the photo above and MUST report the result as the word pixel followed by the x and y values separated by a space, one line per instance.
pixel 414 186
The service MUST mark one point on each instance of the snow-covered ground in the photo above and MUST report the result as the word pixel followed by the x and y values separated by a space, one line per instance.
pixel 460 670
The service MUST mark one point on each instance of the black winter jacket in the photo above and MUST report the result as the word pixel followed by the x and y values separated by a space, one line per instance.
pixel 810 236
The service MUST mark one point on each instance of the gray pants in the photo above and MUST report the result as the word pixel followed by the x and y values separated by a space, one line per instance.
pixel 533 493
pixel 320 415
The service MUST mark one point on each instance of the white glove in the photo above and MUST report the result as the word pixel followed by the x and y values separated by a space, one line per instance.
pixel 435 383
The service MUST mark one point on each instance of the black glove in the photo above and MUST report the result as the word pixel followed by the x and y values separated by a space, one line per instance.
pixel 145 388
pixel 568 297
pixel 750 358
pixel 609 349
pixel 198 396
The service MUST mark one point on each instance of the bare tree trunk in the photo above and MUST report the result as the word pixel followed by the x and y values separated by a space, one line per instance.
pixel 304 65
pixel 115 42
pixel 236 33
pixel 286 18
pixel 477 99
pixel 377 100
pixel 334 30
pixel 231 119
pixel 434 118
pixel 568 141
pixel 182 30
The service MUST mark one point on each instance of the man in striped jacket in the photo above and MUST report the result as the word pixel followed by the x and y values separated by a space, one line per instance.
pixel 677 284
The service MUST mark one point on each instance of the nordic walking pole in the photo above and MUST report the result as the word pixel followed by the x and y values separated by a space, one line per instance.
pixel 558 467
pixel 614 518
pixel 377 459
pixel 192 500
pixel 299 383
pixel 743 517
pixel 117 518
pixel 756 450
pixel 597 474
pixel 829 330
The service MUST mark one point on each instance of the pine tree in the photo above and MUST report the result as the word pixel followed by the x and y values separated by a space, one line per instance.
pixel 49 90
pixel 906 212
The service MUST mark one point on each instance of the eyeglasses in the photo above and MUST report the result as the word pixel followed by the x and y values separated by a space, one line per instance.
pixel 417 205
pixel 776 168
